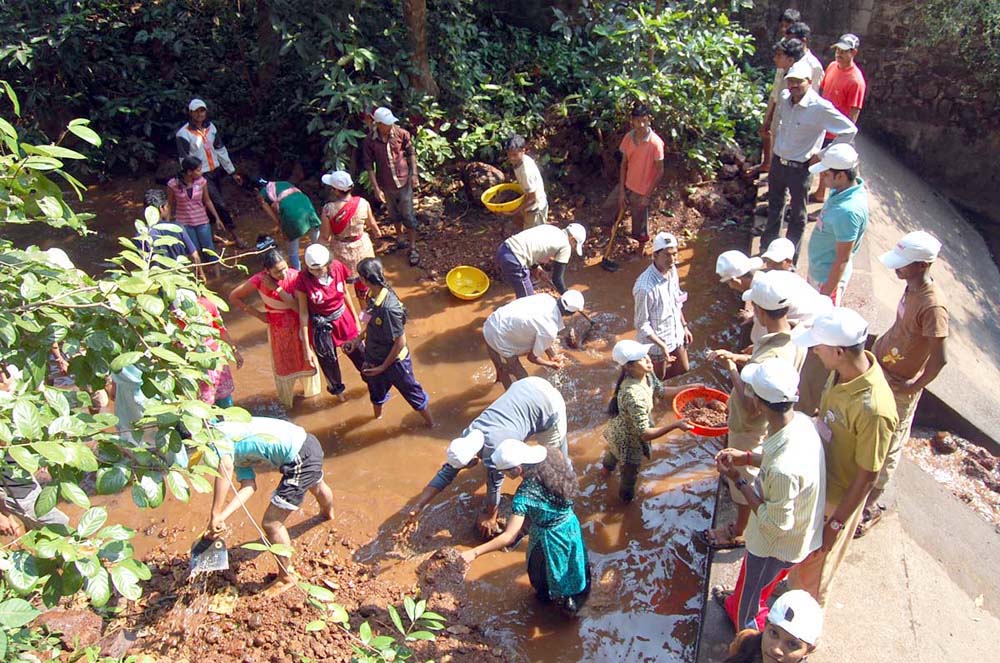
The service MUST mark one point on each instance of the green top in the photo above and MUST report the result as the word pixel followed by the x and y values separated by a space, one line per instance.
pixel 635 415
pixel 555 527
pixel 296 211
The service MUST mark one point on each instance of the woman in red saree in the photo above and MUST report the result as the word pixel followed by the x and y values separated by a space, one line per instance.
pixel 346 220
pixel 291 360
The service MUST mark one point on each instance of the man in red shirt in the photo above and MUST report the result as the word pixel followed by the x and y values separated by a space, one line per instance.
pixel 641 171
pixel 844 86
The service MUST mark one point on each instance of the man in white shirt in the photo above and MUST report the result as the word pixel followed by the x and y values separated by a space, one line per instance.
pixel 528 326
pixel 534 210
pixel 658 316
pixel 804 118
pixel 801 31
pixel 519 254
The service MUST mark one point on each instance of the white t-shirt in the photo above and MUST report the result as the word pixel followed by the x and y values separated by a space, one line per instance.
pixel 527 324
pixel 805 306
pixel 531 181
pixel 817 70
pixel 539 244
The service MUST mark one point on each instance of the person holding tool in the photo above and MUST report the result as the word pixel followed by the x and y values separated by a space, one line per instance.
pixel 523 252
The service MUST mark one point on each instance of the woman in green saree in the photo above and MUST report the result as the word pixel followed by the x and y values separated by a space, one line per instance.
pixel 558 567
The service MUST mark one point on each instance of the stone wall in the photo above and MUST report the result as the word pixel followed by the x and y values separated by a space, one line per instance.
pixel 920 102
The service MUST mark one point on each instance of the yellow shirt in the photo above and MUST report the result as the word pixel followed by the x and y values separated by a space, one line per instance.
pixel 856 421
pixel 770 346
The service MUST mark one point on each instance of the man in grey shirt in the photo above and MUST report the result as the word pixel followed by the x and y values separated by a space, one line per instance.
pixel 531 406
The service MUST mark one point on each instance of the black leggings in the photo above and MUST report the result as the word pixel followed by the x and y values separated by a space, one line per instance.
pixel 539 578
pixel 330 365
pixel 214 179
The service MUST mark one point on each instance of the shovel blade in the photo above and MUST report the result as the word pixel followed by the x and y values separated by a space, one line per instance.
pixel 209 555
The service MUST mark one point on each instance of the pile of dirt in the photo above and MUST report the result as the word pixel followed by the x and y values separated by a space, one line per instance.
pixel 705 412
pixel 226 616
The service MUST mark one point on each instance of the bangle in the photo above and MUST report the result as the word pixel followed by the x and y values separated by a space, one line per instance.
pixel 741 482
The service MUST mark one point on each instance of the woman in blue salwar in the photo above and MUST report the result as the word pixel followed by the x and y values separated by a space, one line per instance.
pixel 558 567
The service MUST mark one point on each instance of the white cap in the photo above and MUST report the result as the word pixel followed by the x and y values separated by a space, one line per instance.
pixel 779 250
pixel 338 179
pixel 797 612
pixel 838 157
pixel 383 115
pixel 195 104
pixel 773 380
pixel 840 328
pixel 572 300
pixel 514 453
pixel 317 255
pixel 462 450
pixel 768 293
pixel 664 240
pixel 628 350
pixel 913 247
pixel 58 257
pixel 579 233
pixel 801 70
pixel 734 264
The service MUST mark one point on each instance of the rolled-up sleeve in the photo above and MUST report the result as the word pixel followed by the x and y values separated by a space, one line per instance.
pixel 776 516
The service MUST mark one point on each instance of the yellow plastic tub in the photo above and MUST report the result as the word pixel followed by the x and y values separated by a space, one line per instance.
pixel 493 191
pixel 467 282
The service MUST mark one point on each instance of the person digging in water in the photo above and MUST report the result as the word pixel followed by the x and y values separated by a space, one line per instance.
pixel 387 362
pixel 522 255
pixel 292 213
pixel 272 443
pixel 658 315
pixel 558 566
pixel 631 429
pixel 531 406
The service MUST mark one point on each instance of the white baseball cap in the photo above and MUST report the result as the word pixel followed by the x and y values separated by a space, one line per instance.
pixel 338 179
pixel 773 380
pixel 768 293
pixel 779 250
pixel 664 240
pixel 628 350
pixel 913 247
pixel 734 264
pixel 514 453
pixel 572 300
pixel 383 115
pixel 797 612
pixel 840 328
pixel 801 70
pixel 317 255
pixel 195 104
pixel 579 233
pixel 838 157
pixel 462 450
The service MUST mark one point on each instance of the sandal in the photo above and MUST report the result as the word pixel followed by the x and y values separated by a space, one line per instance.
pixel 414 258
pixel 720 594
pixel 400 244
pixel 709 538
pixel 870 519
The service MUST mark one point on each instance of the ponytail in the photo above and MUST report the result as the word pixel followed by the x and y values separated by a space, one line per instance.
pixel 613 403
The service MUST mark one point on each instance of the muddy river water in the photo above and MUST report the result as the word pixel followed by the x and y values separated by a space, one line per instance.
pixel 648 572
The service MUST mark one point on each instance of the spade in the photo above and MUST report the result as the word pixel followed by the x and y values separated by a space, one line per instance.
pixel 208 554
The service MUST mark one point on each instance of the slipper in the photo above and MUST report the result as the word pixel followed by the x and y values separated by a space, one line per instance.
pixel 870 519
pixel 720 594
pixel 400 244
pixel 707 537
pixel 414 258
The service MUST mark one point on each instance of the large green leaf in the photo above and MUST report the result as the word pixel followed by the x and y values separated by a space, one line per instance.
pixel 27 422
pixel 178 486
pixel 23 572
pixel 92 520
pixel 47 498
pixel 112 479
pixel 85 133
pixel 126 582
pixel 99 588
pixel 15 613
pixel 73 493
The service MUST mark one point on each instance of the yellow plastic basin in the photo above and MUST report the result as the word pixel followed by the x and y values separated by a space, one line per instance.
pixel 467 282
pixel 493 191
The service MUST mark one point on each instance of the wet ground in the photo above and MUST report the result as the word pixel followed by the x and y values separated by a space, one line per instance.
pixel 648 572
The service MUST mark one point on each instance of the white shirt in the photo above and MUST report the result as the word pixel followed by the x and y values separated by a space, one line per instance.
pixel 805 303
pixel 817 69
pixel 539 244
pixel 530 179
pixel 658 300
pixel 801 127
pixel 529 324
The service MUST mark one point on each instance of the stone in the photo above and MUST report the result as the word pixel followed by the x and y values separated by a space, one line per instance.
pixel 943 443
pixel 78 628
pixel 928 90
pixel 709 203
pixel 477 177
pixel 117 644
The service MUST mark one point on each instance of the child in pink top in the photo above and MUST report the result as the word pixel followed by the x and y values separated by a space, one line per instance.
pixel 188 205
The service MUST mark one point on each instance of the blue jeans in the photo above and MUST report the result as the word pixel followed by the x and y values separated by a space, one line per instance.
pixel 514 273
pixel 292 246
pixel 201 237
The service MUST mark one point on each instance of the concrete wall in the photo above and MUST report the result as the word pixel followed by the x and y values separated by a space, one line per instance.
pixel 920 102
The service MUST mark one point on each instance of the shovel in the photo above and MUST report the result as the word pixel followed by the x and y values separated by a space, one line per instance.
pixel 208 555
pixel 607 263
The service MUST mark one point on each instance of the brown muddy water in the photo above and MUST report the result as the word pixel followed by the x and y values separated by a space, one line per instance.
pixel 648 573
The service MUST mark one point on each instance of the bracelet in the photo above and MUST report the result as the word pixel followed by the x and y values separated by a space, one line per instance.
pixel 741 482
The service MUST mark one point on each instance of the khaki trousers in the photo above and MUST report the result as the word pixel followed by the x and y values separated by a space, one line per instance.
pixel 815 573
pixel 906 409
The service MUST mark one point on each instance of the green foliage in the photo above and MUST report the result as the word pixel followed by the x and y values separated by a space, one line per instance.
pixel 968 29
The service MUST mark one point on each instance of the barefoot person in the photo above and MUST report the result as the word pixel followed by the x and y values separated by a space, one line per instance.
pixel 292 212
pixel 531 406
pixel 274 444
pixel 291 357
pixel 659 318
pixel 346 219
pixel 558 567
pixel 523 253
pixel 387 362
pixel 528 326
pixel 631 429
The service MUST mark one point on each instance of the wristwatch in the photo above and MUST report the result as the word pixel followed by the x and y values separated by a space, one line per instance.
pixel 742 482
pixel 835 525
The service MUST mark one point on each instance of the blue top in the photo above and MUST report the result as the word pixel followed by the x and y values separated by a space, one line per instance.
pixel 262 441
pixel 844 218
pixel 556 529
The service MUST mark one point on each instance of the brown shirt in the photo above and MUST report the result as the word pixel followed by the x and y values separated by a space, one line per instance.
pixel 389 156
pixel 921 315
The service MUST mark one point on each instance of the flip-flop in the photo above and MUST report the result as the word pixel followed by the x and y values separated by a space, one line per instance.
pixel 870 521
pixel 706 537
pixel 720 594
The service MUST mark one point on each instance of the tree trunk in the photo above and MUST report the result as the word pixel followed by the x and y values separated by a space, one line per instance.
pixel 415 16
